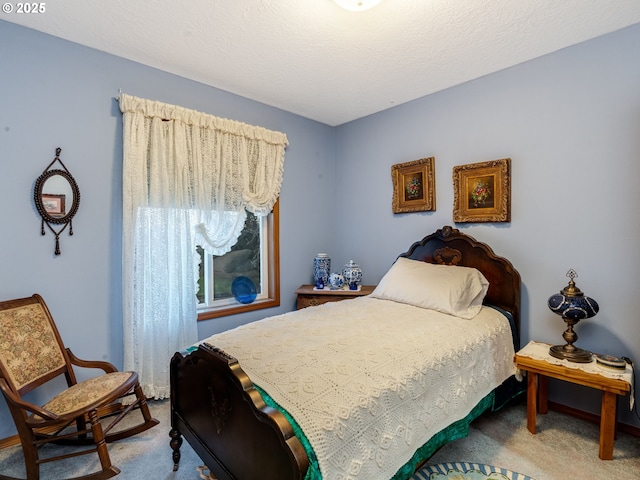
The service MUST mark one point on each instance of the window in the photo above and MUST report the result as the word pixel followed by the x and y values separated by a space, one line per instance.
pixel 256 256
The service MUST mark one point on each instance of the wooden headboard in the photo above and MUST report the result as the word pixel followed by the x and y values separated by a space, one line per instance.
pixel 449 246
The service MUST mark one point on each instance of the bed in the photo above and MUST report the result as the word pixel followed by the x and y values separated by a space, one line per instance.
pixel 272 429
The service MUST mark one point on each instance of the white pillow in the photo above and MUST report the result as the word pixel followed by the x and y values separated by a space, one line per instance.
pixel 454 290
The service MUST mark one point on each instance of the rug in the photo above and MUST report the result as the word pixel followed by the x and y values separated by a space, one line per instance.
pixel 466 471
pixel 442 471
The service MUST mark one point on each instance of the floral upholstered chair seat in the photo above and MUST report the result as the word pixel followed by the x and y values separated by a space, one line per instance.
pixel 87 393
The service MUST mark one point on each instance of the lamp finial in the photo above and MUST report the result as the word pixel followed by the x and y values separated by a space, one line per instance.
pixel 571 290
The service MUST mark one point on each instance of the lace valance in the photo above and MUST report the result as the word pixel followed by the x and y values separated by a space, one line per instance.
pixel 180 158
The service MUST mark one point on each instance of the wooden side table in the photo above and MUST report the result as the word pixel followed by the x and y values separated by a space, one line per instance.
pixel 532 360
pixel 308 297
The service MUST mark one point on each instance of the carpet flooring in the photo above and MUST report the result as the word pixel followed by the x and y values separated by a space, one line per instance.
pixel 564 448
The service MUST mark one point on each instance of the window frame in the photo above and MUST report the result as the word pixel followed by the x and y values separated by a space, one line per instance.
pixel 272 298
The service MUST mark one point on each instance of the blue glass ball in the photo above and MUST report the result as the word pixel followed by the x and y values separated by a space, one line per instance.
pixel 575 308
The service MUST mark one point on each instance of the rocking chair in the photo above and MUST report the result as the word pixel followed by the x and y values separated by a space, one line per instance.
pixel 31 354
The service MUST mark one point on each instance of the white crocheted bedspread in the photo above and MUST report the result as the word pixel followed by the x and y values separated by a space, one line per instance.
pixel 370 381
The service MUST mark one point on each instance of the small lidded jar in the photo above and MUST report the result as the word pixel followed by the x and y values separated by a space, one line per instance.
pixel 352 274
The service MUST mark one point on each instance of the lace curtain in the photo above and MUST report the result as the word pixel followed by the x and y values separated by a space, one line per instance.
pixel 187 179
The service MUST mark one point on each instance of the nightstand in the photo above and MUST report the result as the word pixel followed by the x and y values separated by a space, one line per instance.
pixel 308 297
pixel 539 365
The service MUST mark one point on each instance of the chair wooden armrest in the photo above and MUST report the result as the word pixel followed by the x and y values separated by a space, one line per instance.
pixel 78 362
pixel 28 406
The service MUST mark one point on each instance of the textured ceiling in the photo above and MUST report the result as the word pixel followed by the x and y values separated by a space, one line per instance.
pixel 312 58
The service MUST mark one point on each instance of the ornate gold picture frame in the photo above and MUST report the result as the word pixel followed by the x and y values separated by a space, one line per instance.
pixel 414 186
pixel 482 192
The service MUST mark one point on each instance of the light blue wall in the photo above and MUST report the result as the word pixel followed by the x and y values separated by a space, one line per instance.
pixel 569 121
pixel 55 93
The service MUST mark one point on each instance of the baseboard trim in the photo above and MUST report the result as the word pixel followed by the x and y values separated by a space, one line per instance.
pixel 593 418
pixel 9 441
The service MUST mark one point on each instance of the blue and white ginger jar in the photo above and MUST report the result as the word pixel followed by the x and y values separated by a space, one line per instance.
pixel 352 274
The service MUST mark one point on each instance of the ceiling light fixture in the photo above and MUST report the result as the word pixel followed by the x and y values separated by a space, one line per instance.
pixel 357 5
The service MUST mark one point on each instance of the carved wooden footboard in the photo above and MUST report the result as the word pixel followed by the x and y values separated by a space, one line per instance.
pixel 216 408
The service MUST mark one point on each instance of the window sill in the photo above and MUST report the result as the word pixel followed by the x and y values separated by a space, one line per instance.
pixel 236 309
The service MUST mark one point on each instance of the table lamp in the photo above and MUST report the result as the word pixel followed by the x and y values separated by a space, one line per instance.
pixel 572 305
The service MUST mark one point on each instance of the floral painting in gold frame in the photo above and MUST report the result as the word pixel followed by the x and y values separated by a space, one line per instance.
pixel 482 192
pixel 414 186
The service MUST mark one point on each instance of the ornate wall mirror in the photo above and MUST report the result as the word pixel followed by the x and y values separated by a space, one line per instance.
pixel 57 199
